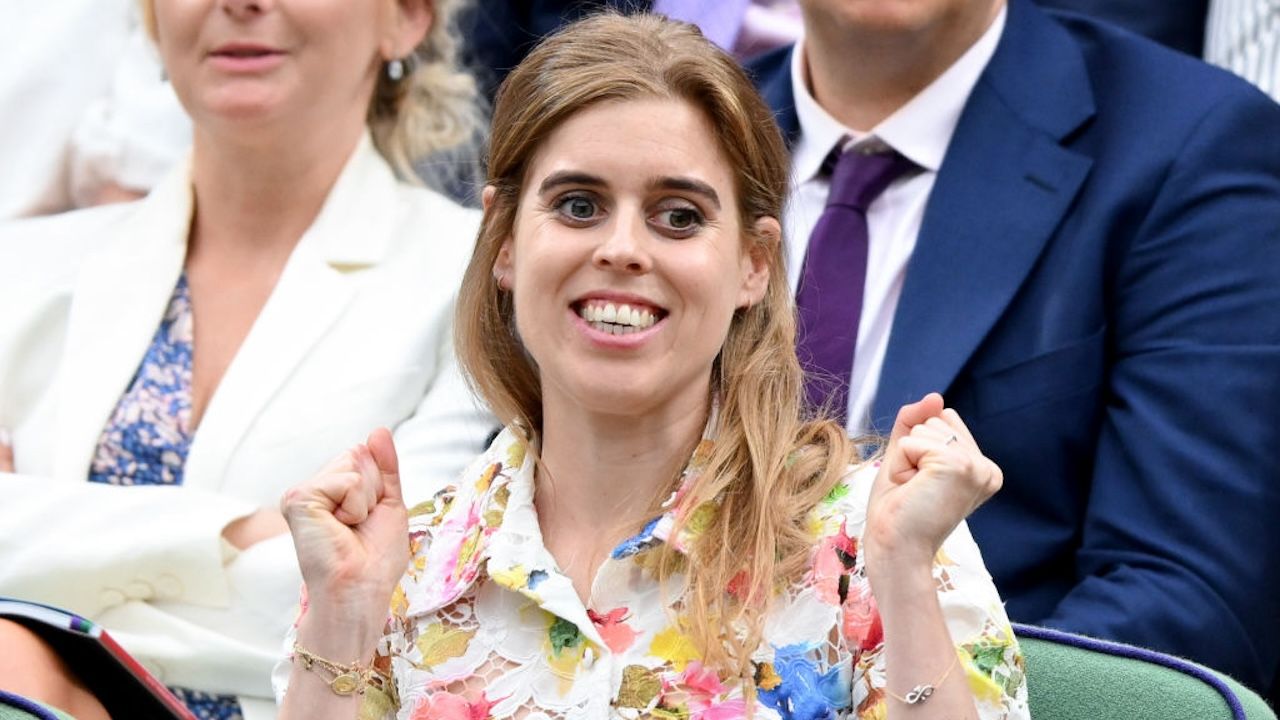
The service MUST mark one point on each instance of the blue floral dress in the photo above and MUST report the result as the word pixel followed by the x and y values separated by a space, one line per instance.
pixel 147 438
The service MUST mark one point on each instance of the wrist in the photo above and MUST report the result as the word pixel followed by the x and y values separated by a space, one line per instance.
pixel 900 571
pixel 340 634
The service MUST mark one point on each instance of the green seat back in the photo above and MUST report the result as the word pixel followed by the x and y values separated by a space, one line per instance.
pixel 16 707
pixel 1072 677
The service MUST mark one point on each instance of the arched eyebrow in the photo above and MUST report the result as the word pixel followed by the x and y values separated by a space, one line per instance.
pixel 581 179
pixel 569 177
pixel 687 184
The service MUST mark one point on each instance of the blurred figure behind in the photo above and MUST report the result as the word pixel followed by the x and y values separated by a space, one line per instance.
pixel 192 354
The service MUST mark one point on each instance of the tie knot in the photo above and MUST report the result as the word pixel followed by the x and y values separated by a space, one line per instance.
pixel 858 177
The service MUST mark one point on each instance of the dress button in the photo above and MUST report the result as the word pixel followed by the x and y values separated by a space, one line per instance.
pixel 168 587
pixel 111 597
pixel 139 590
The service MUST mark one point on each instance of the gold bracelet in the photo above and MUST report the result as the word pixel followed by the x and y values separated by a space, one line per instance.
pixel 920 693
pixel 345 680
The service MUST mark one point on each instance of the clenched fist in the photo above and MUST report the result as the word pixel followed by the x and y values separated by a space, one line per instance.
pixel 350 530
pixel 932 477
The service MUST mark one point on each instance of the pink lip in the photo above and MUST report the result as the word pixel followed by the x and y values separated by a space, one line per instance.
pixel 615 342
pixel 246 58
pixel 618 298
pixel 609 340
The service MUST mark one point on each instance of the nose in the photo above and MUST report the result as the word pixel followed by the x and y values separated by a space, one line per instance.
pixel 623 249
pixel 244 9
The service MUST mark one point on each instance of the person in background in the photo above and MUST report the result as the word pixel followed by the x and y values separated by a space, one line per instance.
pixel 1179 25
pixel 1069 232
pixel 168 367
pixel 661 530
pixel 500 33
pixel 89 116
pixel 1244 37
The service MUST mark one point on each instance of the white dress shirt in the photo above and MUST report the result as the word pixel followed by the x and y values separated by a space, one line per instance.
pixel 920 130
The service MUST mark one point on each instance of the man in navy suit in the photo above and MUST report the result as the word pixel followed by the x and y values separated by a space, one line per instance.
pixel 500 32
pixel 1083 255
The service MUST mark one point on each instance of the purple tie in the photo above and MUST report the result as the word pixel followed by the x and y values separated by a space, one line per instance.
pixel 829 300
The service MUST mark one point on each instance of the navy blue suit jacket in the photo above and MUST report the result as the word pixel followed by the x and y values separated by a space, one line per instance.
pixel 1096 289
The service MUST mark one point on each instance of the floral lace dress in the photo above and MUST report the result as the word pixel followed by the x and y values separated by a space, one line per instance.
pixel 147 438
pixel 484 625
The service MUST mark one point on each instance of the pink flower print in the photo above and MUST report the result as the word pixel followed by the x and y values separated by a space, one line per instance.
pixel 447 706
pixel 862 626
pixel 703 687
pixel 735 709
pixel 616 634
pixel 701 681
pixel 836 557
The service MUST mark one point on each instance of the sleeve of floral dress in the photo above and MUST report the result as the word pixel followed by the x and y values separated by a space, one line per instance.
pixel 988 652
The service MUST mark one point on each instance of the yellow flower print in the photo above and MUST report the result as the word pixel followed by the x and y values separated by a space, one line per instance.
pixel 487 476
pixel 674 647
pixel 439 643
pixel 515 578
pixel 515 455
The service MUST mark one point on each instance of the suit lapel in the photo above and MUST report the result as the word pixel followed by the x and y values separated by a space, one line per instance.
pixel 120 297
pixel 352 231
pixel 1002 190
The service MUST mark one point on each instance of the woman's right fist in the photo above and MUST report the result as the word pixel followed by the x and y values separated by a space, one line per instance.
pixel 350 529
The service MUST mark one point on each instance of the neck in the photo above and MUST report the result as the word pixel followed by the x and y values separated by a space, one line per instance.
pixel 604 472
pixel 256 196
pixel 863 75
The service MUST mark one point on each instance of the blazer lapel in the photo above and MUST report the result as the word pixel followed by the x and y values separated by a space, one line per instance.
pixel 352 231
pixel 120 298
pixel 1002 190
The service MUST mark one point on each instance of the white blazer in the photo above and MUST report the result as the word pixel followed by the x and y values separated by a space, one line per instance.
pixel 355 335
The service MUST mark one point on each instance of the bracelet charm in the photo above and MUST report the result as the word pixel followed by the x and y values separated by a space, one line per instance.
pixel 924 691
pixel 918 694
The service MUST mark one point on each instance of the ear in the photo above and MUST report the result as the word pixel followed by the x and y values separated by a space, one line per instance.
pixel 486 197
pixel 755 262
pixel 504 266
pixel 412 21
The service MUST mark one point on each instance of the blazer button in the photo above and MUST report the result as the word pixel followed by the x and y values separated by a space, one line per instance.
pixel 168 587
pixel 111 597
pixel 139 590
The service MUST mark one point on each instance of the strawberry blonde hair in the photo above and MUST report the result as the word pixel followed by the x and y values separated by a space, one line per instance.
pixel 770 464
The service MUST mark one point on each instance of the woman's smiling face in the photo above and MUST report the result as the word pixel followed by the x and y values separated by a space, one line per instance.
pixel 628 258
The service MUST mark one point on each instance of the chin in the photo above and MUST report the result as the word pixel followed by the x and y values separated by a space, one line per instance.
pixel 616 400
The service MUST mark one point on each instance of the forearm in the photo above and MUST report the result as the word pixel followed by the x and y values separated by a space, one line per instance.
pixel 918 647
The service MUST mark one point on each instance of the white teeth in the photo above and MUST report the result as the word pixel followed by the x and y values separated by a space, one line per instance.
pixel 618 319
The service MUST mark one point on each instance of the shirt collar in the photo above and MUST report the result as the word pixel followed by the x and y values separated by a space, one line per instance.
pixel 920 130
pixel 488 523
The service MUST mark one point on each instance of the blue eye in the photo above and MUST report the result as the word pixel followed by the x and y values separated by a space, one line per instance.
pixel 678 221
pixel 682 218
pixel 577 207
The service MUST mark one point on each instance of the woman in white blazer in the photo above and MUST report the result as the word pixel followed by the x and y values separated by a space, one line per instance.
pixel 290 292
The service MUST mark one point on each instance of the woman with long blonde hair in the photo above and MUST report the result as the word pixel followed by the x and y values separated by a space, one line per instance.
pixel 661 530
